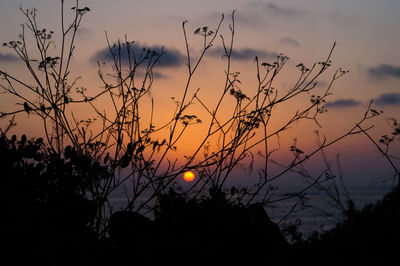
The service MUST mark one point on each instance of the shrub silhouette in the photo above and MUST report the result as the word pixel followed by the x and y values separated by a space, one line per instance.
pixel 133 239
pixel 46 212
pixel 210 229
pixel 221 230
pixel 368 236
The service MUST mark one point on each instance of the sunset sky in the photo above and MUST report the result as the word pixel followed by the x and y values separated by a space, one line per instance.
pixel 366 32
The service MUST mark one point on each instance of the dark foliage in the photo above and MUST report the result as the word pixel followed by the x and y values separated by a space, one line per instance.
pixel 46 214
pixel 220 230
pixel 211 229
pixel 368 236
pixel 47 217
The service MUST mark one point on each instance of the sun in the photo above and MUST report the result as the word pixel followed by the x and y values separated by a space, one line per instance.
pixel 188 176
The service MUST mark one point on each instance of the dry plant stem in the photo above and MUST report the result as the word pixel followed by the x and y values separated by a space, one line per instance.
pixel 136 154
pixel 299 160
pixel 334 195
pixel 385 154
pixel 51 84
pixel 299 194
pixel 50 97
pixel 183 106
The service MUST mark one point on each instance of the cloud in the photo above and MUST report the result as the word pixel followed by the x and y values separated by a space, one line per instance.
pixel 7 57
pixel 156 74
pixel 266 10
pixel 383 99
pixel 243 17
pixel 84 32
pixel 281 10
pixel 388 99
pixel 289 41
pixel 383 71
pixel 171 57
pixel 250 18
pixel 245 53
pixel 342 103
pixel 257 14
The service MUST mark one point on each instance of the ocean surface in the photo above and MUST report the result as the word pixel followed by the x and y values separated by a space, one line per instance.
pixel 321 212
pixel 318 211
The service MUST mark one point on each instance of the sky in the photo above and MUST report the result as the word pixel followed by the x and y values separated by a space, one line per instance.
pixel 366 33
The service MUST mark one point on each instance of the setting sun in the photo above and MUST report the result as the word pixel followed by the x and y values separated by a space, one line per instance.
pixel 188 176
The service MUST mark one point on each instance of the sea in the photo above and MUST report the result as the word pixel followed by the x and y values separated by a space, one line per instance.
pixel 320 212
pixel 317 211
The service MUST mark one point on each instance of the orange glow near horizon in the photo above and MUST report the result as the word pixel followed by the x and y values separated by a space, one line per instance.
pixel 188 176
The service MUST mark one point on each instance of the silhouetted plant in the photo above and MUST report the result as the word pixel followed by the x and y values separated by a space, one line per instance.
pixel 336 190
pixel 221 230
pixel 367 235
pixel 385 143
pixel 47 207
pixel 137 153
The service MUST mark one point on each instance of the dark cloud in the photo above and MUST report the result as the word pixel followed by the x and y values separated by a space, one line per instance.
pixel 245 53
pixel 84 32
pixel 383 71
pixel 388 99
pixel 7 57
pixel 383 99
pixel 171 58
pixel 243 17
pixel 250 19
pixel 156 74
pixel 281 10
pixel 275 9
pixel 289 41
pixel 342 103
